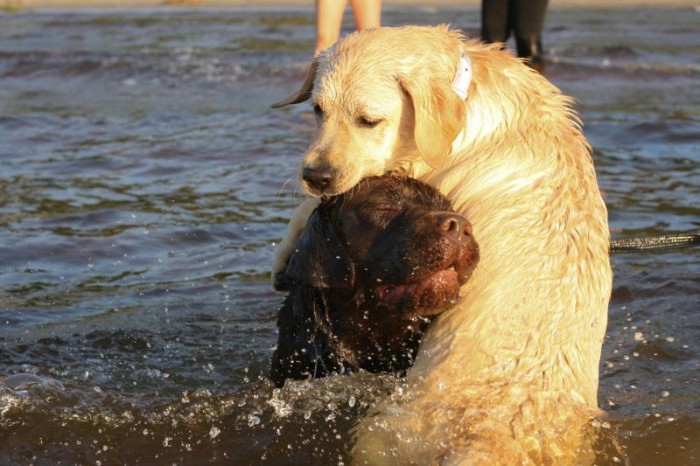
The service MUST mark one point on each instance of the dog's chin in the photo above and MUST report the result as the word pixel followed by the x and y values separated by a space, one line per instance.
pixel 335 188
pixel 329 191
pixel 320 193
pixel 427 297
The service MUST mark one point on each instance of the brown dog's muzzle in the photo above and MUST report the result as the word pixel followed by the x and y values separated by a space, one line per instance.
pixel 454 226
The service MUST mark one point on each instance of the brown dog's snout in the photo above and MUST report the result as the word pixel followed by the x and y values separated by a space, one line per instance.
pixel 454 225
pixel 319 178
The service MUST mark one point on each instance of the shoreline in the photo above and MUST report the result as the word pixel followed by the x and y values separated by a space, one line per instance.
pixel 21 5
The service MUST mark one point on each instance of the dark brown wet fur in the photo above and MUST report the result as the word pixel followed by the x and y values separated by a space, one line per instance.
pixel 373 267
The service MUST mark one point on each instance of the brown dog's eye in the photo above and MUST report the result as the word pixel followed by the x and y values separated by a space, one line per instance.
pixel 388 212
pixel 368 122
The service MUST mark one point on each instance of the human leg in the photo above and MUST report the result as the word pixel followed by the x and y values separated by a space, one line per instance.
pixel 528 19
pixel 494 21
pixel 329 18
pixel 368 13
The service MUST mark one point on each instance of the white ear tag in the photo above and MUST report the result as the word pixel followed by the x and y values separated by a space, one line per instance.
pixel 463 78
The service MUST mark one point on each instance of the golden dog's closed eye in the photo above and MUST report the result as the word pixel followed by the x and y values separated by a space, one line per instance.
pixel 368 122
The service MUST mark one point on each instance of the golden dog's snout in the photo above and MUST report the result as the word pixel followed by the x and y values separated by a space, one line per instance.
pixel 320 178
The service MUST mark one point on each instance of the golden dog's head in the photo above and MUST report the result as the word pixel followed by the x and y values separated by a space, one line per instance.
pixel 383 100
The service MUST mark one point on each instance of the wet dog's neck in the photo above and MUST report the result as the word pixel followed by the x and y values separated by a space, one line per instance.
pixel 364 335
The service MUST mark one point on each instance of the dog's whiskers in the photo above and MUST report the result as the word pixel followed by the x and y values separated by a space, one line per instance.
pixel 284 185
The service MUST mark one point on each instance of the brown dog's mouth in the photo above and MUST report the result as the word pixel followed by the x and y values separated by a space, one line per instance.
pixel 431 294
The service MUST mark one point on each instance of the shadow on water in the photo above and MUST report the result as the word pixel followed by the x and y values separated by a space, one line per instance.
pixel 144 182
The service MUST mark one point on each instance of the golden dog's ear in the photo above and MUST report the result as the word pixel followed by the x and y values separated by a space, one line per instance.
pixel 305 92
pixel 439 117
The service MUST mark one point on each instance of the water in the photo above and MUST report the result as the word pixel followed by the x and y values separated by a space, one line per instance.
pixel 144 182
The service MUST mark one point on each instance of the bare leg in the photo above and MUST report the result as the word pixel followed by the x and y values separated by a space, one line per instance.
pixel 329 18
pixel 368 13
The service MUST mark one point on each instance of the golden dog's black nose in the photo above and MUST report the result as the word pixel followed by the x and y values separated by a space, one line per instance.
pixel 454 225
pixel 318 178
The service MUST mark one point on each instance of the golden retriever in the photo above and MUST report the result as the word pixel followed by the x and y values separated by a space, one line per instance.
pixel 510 375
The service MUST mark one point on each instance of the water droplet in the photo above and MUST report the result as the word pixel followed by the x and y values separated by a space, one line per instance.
pixel 214 432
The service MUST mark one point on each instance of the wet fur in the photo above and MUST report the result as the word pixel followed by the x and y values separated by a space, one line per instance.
pixel 510 375
pixel 347 308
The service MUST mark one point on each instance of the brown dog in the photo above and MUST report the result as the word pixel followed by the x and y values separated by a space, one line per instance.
pixel 372 269
pixel 502 376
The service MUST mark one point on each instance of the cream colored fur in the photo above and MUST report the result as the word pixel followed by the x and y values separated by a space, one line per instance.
pixel 510 375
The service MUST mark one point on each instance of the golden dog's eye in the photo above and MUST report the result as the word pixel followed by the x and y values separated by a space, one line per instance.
pixel 318 111
pixel 368 122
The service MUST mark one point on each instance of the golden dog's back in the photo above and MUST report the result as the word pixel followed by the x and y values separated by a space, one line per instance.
pixel 511 374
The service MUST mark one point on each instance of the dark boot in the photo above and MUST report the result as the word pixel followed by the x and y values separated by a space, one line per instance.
pixel 531 51
pixel 528 20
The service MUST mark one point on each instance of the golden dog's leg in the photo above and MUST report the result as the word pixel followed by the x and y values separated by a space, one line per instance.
pixel 289 242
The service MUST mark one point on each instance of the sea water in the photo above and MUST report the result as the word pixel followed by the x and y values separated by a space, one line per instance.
pixel 144 183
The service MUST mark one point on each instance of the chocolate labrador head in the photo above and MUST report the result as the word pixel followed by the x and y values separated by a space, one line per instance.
pixel 372 268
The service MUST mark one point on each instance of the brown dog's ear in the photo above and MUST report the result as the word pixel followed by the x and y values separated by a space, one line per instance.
pixel 305 92
pixel 439 116
pixel 320 259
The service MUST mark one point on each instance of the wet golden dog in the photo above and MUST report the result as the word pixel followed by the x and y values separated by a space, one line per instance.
pixel 510 375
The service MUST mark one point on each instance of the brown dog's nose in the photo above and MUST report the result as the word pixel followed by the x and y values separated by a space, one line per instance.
pixel 318 178
pixel 454 225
